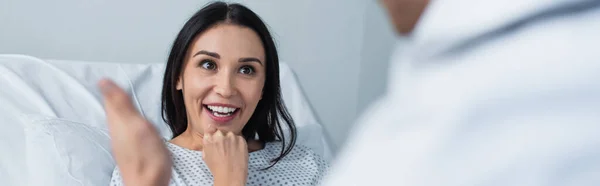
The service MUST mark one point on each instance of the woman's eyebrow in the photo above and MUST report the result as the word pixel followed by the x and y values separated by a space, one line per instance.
pixel 212 54
pixel 250 59
pixel 216 55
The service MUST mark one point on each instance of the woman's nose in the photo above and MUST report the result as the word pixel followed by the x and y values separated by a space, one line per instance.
pixel 225 85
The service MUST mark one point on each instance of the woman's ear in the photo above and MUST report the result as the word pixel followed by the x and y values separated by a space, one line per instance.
pixel 179 85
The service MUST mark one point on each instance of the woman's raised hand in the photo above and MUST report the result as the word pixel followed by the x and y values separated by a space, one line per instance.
pixel 141 155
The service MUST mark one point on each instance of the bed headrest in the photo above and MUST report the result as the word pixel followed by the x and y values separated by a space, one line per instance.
pixel 67 89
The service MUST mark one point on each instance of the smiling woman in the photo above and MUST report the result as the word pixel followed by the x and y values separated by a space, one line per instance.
pixel 222 101
pixel 222 83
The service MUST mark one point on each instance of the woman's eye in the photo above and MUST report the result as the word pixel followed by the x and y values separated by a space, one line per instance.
pixel 247 70
pixel 207 64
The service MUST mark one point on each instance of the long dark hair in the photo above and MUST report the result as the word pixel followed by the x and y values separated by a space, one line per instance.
pixel 264 123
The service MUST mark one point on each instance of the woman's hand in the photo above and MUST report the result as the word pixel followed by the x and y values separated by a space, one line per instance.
pixel 226 155
pixel 141 155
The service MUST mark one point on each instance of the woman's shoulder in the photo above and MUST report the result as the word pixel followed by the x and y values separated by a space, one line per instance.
pixel 298 151
pixel 300 163
pixel 297 148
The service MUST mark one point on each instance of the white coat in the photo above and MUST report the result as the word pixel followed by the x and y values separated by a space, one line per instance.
pixel 502 92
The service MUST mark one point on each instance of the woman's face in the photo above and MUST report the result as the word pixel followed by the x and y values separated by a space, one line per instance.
pixel 222 78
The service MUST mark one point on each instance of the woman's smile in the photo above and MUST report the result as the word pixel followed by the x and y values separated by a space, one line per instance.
pixel 221 113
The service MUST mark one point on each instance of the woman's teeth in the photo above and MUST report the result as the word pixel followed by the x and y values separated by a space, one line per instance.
pixel 221 115
pixel 220 111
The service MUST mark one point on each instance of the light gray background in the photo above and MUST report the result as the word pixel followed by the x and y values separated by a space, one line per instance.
pixel 339 48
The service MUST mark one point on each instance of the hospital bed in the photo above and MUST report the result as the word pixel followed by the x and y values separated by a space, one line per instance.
pixel 52 123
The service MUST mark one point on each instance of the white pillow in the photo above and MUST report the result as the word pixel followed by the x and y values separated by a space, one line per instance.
pixel 61 152
pixel 67 89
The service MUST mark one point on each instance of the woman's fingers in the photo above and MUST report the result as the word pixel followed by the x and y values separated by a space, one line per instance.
pixel 218 133
pixel 116 100
pixel 122 117
pixel 211 129
pixel 242 142
pixel 230 135
pixel 139 152
pixel 124 121
pixel 208 132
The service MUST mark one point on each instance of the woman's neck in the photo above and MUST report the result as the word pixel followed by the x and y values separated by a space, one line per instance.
pixel 193 140
pixel 189 140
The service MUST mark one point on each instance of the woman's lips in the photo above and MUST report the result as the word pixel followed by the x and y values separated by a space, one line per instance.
pixel 220 118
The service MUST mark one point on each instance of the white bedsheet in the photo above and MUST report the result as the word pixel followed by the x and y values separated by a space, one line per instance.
pixel 67 89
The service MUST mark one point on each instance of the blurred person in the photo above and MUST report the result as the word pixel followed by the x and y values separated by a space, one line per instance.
pixel 485 93
pixel 221 98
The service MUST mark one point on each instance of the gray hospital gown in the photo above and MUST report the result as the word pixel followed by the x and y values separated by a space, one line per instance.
pixel 300 167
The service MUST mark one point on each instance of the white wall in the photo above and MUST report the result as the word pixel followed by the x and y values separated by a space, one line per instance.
pixel 378 43
pixel 323 40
